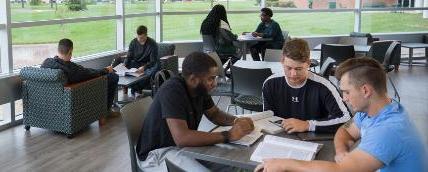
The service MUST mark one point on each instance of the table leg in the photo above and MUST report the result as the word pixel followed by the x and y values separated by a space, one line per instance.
pixel 410 57
pixel 244 51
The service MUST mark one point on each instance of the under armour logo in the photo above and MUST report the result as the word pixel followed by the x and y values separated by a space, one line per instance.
pixel 295 99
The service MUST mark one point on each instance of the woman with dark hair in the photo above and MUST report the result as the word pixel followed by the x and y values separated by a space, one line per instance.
pixel 216 26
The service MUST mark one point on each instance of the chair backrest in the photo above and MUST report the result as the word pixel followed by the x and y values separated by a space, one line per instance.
pixel 171 167
pixel 133 116
pixel 249 81
pixel 386 52
pixel 273 55
pixel 42 75
pixel 337 52
pixel 208 43
pixel 165 49
pixel 217 60
pixel 169 62
pixel 327 66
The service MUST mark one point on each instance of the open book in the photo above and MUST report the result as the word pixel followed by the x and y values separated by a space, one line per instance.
pixel 279 147
pixel 266 121
pixel 121 70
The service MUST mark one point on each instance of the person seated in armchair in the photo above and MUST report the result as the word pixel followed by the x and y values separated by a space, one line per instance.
pixel 76 73
pixel 143 55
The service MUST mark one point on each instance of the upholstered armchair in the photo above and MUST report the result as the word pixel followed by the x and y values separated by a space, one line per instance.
pixel 51 104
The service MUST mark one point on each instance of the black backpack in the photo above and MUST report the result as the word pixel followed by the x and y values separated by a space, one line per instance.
pixel 159 78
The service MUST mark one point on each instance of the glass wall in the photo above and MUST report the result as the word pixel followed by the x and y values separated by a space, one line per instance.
pixel 136 6
pixel 182 27
pixel 31 45
pixel 49 11
pixel 316 23
pixel 393 21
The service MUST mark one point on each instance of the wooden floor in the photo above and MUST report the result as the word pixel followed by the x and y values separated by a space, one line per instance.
pixel 106 148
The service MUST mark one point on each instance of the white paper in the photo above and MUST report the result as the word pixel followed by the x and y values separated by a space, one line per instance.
pixel 278 147
pixel 262 121
pixel 121 70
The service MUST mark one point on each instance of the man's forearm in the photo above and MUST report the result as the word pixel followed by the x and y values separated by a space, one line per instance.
pixel 342 140
pixel 199 138
pixel 310 166
pixel 221 118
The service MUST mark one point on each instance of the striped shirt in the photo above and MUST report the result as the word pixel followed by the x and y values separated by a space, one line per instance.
pixel 317 100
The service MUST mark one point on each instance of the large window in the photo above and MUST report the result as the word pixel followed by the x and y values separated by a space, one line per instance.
pixel 47 11
pixel 316 23
pixel 393 21
pixel 182 27
pixel 134 6
pixel 31 45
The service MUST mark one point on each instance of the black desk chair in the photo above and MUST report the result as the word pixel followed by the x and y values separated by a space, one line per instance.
pixel 388 53
pixel 247 86
pixel 337 52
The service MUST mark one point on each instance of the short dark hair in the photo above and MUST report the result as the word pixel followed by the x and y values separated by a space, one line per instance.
pixel 65 46
pixel 364 71
pixel 297 49
pixel 142 30
pixel 197 63
pixel 267 11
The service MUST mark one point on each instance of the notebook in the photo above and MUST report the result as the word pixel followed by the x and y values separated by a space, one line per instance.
pixel 279 147
pixel 121 70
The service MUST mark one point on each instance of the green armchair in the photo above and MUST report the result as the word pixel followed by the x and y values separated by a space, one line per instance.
pixel 51 104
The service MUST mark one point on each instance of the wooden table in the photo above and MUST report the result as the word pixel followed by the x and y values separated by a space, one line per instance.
pixel 412 46
pixel 357 48
pixel 239 156
pixel 243 40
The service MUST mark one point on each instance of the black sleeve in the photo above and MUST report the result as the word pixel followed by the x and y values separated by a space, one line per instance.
pixel 130 55
pixel 268 98
pixel 80 73
pixel 259 28
pixel 336 109
pixel 173 104
pixel 153 56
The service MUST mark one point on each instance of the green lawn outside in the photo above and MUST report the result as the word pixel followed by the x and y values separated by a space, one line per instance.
pixel 98 36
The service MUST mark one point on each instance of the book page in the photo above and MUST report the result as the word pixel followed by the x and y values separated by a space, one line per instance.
pixel 297 144
pixel 247 140
pixel 121 70
pixel 258 115
pixel 267 150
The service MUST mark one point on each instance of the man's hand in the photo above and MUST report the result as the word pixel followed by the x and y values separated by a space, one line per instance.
pixel 109 69
pixel 140 69
pixel 292 125
pixel 271 165
pixel 240 128
pixel 255 34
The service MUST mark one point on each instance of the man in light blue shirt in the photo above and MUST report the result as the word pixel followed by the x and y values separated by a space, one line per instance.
pixel 389 141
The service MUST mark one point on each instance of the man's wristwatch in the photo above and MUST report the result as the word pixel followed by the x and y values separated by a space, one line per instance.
pixel 226 136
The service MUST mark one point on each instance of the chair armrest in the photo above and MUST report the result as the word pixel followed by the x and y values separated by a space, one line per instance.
pixel 75 85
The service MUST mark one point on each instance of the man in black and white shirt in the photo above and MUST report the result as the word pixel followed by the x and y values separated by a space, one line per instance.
pixel 307 101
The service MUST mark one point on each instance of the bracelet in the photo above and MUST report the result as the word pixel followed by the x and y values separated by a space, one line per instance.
pixel 226 136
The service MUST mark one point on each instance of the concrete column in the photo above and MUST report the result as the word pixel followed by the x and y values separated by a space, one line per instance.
pixel 425 13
